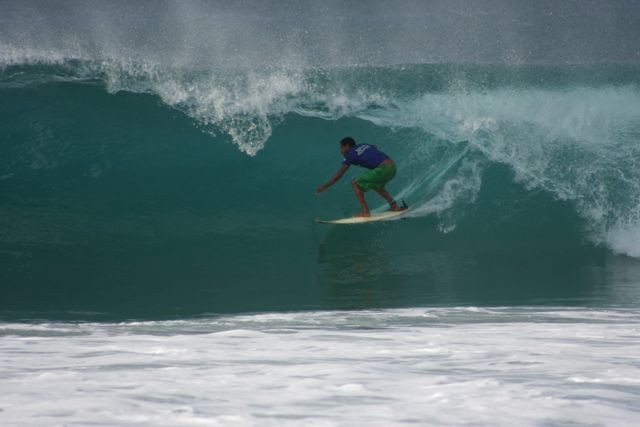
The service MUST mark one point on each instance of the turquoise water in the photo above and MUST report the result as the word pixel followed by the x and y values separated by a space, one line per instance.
pixel 159 259
pixel 163 192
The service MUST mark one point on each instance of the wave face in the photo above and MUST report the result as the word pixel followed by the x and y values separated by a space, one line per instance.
pixel 184 183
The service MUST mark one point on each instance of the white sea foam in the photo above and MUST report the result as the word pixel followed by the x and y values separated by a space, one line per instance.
pixel 436 366
pixel 624 239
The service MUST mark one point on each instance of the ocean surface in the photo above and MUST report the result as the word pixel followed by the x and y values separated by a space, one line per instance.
pixel 159 259
pixel 436 366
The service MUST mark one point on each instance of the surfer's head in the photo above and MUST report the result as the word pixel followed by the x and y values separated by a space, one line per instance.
pixel 345 144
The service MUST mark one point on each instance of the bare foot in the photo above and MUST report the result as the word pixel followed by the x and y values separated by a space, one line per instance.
pixel 362 214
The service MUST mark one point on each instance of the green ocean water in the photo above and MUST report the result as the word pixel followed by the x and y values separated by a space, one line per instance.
pixel 141 195
pixel 159 259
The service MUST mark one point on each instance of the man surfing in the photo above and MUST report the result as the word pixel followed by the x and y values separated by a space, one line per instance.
pixel 381 167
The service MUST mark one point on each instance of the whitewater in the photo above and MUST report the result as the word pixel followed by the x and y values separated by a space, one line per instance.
pixel 444 366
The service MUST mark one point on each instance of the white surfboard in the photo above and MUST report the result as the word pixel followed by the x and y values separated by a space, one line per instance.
pixel 382 216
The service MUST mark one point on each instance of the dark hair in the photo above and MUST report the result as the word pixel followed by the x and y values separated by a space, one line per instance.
pixel 348 141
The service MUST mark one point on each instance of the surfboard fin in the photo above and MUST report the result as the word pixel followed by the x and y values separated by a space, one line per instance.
pixel 404 205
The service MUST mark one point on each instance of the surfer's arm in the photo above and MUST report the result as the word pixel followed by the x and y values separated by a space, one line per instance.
pixel 333 179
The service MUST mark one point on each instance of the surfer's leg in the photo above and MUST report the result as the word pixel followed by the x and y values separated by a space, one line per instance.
pixel 360 196
pixel 393 206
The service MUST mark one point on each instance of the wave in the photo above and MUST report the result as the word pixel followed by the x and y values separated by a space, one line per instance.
pixel 136 190
pixel 570 132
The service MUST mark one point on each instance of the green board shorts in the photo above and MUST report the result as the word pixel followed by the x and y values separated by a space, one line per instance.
pixel 376 179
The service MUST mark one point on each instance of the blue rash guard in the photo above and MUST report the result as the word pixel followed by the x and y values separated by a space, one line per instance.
pixel 364 155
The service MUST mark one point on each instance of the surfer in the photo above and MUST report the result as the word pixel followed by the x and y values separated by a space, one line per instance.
pixel 381 167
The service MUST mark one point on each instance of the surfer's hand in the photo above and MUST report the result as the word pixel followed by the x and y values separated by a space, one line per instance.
pixel 320 189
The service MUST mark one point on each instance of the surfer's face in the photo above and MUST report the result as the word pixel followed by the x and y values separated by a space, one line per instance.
pixel 344 149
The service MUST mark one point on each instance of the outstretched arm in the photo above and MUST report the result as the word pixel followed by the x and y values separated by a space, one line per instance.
pixel 333 179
